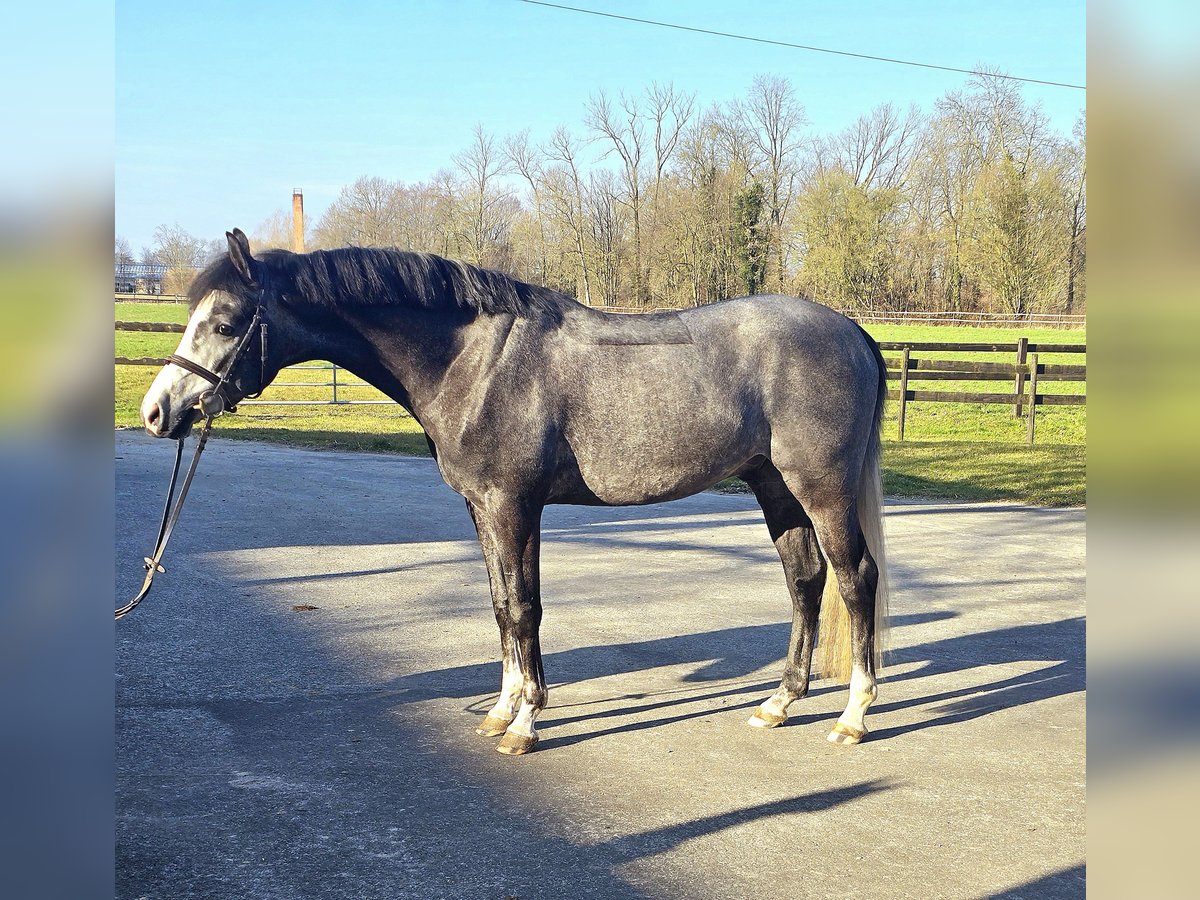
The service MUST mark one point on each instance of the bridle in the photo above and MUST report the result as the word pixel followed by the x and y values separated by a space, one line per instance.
pixel 212 404
pixel 215 402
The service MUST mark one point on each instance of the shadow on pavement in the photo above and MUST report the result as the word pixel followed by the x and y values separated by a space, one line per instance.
pixel 736 653
pixel 1070 882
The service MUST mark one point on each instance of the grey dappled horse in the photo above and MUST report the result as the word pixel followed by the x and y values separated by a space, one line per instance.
pixel 529 398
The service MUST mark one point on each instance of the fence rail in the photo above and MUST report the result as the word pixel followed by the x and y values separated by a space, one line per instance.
pixel 136 297
pixel 1025 370
pixel 984 346
pixel 923 317
pixel 167 327
pixel 973 319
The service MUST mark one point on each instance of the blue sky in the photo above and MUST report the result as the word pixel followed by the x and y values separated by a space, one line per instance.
pixel 222 108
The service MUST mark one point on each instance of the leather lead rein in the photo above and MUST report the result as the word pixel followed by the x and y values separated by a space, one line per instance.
pixel 212 404
pixel 153 564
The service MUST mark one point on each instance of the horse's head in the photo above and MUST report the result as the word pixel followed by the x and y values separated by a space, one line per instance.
pixel 224 355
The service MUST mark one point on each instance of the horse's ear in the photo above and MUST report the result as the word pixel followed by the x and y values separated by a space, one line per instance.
pixel 239 254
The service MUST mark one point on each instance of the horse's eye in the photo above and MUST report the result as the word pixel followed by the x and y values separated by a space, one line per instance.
pixel 225 329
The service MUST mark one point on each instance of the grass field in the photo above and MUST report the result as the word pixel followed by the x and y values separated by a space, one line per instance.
pixel 952 451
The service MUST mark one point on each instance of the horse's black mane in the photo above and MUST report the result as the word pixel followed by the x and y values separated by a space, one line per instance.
pixel 362 276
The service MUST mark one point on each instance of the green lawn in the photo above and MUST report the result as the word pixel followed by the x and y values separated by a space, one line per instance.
pixel 152 312
pixel 952 451
pixel 1043 475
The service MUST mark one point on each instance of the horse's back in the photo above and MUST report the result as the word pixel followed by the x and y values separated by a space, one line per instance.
pixel 792 324
pixel 693 396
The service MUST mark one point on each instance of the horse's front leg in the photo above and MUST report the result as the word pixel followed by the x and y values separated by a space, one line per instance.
pixel 500 716
pixel 510 535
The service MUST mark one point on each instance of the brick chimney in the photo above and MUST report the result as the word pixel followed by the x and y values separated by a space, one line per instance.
pixel 297 221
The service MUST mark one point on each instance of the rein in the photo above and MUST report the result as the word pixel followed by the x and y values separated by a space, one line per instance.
pixel 212 403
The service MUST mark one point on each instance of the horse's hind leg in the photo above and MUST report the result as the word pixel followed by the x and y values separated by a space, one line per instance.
pixel 837 525
pixel 804 566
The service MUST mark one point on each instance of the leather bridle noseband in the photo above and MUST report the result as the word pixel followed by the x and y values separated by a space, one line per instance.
pixel 212 403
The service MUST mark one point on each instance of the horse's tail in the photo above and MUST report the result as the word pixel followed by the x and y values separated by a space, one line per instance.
pixel 833 641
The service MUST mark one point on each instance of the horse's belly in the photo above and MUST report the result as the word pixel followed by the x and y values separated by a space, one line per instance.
pixel 638 489
pixel 622 465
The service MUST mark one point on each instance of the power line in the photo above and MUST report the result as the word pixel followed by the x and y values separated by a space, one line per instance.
pixel 758 40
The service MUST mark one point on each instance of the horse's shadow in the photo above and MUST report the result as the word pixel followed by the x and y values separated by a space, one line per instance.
pixel 1060 644
pixel 726 659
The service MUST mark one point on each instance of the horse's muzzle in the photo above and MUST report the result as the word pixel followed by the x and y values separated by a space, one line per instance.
pixel 157 420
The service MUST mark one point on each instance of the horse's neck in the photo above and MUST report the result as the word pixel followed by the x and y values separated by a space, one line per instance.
pixel 404 352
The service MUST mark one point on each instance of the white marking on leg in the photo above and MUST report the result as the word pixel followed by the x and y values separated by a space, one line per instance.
pixel 524 722
pixel 777 704
pixel 774 708
pixel 510 693
pixel 862 694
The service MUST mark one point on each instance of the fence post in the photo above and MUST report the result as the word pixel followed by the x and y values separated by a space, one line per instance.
pixel 1022 350
pixel 335 400
pixel 903 392
pixel 1033 373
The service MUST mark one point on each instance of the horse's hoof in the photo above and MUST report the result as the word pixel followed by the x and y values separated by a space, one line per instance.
pixel 493 726
pixel 517 744
pixel 764 719
pixel 846 734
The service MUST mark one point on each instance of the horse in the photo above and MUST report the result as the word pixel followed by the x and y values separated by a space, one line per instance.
pixel 528 398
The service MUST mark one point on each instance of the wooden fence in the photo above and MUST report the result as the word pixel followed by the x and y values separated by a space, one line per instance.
pixel 975 319
pixel 150 298
pixel 1024 373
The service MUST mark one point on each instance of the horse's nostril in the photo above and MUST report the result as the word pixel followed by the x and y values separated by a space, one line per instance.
pixel 153 417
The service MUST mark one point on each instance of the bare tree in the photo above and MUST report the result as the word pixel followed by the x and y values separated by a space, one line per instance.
pixel 625 130
pixel 363 215
pixel 528 162
pixel 876 150
pixel 984 138
pixel 980 204
pixel 275 231
pixel 734 145
pixel 122 252
pixel 564 194
pixel 1075 183
pixel 488 205
pixel 444 193
pixel 772 117
pixel 670 112
pixel 182 253
pixel 606 226
pixel 665 112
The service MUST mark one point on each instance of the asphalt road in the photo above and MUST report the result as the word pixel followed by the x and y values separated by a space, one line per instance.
pixel 267 750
